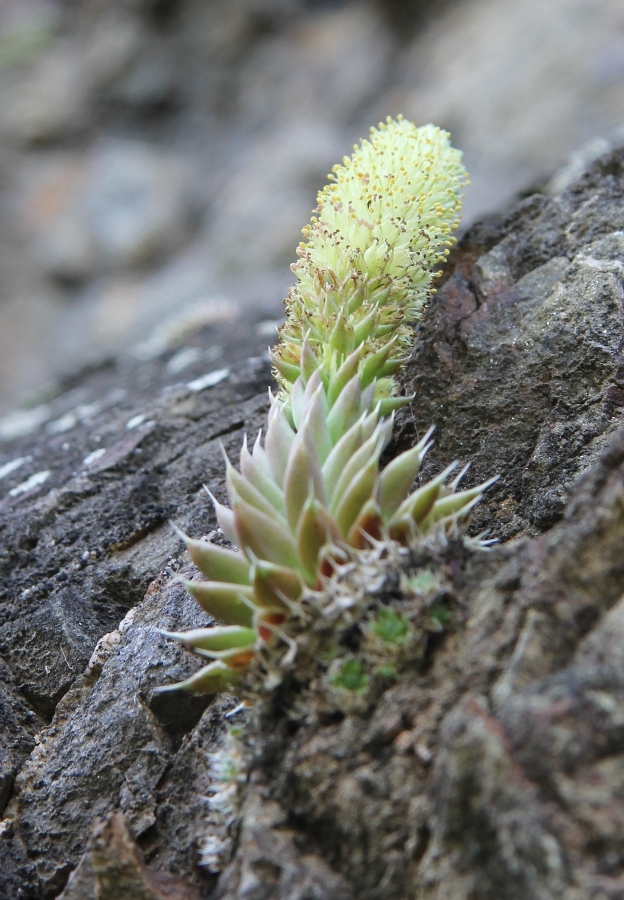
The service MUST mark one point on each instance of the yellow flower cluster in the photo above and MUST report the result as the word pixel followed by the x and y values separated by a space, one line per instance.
pixel 367 264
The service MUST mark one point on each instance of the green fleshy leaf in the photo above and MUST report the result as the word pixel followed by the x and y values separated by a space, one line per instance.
pixel 389 405
pixel 217 563
pixel 211 679
pixel 418 505
pixel 288 371
pixel 219 637
pixel 255 468
pixel 359 492
pixel 370 450
pixel 276 586
pixel 309 361
pixel 367 327
pixel 278 442
pixel 339 337
pixel 345 373
pixel 349 443
pixel 229 603
pixel 315 425
pixel 296 402
pixel 264 536
pixel 303 477
pixel 316 529
pixel 238 486
pixel 374 362
pixel 225 520
pixel 398 477
pixel 459 503
pixel 346 410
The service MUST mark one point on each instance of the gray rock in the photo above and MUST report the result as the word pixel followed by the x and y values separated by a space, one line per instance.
pixel 492 768
pixel 121 205
pixel 49 102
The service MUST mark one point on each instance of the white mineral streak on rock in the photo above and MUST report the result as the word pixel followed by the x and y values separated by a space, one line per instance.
pixel 30 483
pixel 91 458
pixel 13 465
pixel 135 421
pixel 209 380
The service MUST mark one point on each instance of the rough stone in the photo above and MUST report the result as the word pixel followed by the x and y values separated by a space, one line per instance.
pixel 121 205
pixel 493 766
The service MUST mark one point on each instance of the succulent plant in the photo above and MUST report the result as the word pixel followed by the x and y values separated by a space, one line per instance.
pixel 311 494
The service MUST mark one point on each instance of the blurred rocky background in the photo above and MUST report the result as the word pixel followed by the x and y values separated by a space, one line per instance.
pixel 159 157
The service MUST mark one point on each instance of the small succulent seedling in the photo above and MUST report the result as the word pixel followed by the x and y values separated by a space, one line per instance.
pixel 390 627
pixel 351 676
pixel 310 495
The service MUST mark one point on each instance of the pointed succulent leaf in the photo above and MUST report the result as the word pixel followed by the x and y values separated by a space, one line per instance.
pixel 370 421
pixel 369 451
pixel 349 443
pixel 238 486
pixel 389 405
pixel 315 425
pixel 368 400
pixel 276 586
pixel 217 563
pixel 309 361
pixel 312 386
pixel 454 484
pixel 211 679
pixel 418 504
pixel 359 492
pixel 316 528
pixel 278 442
pixel 367 527
pixel 219 637
pixel 345 373
pixel 397 478
pixel 259 454
pixel 288 371
pixel 303 476
pixel 346 409
pixel 367 327
pixel 265 537
pixel 255 468
pixel 391 367
pixel 225 520
pixel 229 603
pixel 374 362
pixel 338 337
pixel 296 404
pixel 458 503
pixel 382 388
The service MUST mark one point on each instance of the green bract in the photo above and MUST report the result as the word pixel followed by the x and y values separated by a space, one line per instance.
pixel 312 494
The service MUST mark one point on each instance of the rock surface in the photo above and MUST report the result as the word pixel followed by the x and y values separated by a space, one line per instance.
pixel 493 767
pixel 157 154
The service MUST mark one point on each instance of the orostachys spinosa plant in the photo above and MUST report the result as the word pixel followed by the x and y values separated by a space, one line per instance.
pixel 310 495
